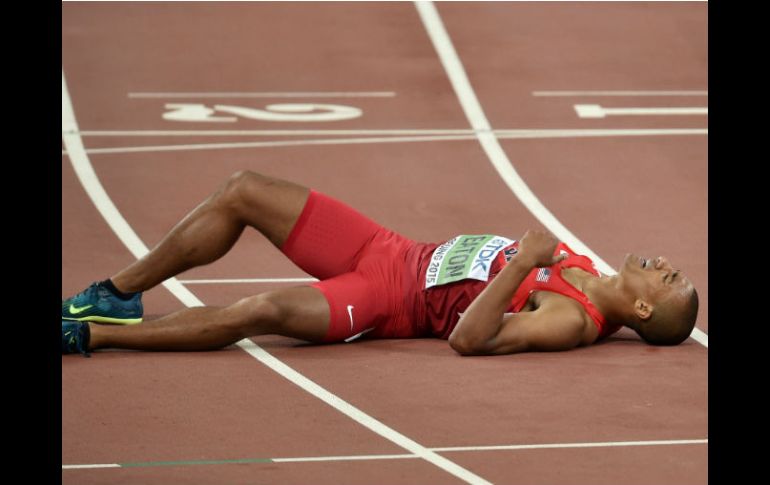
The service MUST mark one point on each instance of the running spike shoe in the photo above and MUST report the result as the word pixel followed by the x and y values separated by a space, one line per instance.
pixel 97 304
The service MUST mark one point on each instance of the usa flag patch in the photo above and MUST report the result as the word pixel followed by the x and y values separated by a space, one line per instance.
pixel 543 275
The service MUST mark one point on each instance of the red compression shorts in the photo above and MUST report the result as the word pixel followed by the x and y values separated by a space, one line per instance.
pixel 368 273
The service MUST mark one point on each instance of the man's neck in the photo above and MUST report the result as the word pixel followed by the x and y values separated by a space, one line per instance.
pixel 601 291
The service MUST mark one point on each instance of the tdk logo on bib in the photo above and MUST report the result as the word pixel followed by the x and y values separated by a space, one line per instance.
pixel 464 257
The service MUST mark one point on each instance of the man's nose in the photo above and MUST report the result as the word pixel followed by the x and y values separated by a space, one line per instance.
pixel 661 263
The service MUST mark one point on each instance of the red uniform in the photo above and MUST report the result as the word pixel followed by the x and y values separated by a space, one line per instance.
pixel 374 279
pixel 443 304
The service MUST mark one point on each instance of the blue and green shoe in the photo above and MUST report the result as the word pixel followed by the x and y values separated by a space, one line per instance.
pixel 75 337
pixel 97 304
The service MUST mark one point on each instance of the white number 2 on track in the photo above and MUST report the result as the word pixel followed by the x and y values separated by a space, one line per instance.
pixel 273 112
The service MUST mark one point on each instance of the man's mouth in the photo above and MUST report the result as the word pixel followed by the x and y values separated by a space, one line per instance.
pixel 643 262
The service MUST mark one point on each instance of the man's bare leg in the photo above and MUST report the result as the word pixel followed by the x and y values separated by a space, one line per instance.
pixel 270 205
pixel 299 312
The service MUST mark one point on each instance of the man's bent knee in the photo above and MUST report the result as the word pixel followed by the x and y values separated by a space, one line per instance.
pixel 270 205
pixel 299 312
pixel 241 186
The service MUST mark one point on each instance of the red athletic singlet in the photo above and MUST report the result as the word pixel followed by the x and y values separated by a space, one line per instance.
pixel 443 304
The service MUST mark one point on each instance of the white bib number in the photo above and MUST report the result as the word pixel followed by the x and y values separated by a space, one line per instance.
pixel 464 257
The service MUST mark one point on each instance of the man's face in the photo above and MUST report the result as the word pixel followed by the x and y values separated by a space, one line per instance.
pixel 653 279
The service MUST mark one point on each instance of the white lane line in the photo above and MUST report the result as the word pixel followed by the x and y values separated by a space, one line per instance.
pixel 607 444
pixel 489 143
pixel 85 173
pixel 505 134
pixel 583 132
pixel 445 449
pixel 620 93
pixel 126 234
pixel 599 111
pixel 359 416
pixel 247 280
pixel 265 144
pixel 342 458
pixel 478 121
pixel 271 132
pixel 323 94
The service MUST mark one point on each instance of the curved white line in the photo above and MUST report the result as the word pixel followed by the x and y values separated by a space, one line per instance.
pixel 126 234
pixel 486 137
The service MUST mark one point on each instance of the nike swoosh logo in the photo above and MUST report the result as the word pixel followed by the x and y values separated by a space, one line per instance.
pixel 75 310
pixel 350 314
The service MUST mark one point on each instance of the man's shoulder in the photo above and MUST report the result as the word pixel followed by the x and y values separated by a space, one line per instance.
pixel 570 313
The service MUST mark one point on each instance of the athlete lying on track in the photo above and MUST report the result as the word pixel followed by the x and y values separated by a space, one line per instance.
pixel 485 294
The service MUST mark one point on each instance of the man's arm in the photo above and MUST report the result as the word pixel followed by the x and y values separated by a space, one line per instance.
pixel 557 327
pixel 484 329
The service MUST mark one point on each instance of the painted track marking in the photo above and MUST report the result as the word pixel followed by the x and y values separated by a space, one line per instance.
pixel 520 134
pixel 478 121
pixel 246 280
pixel 446 449
pixel 523 133
pixel 93 187
pixel 599 111
pixel 299 132
pixel 620 93
pixel 344 94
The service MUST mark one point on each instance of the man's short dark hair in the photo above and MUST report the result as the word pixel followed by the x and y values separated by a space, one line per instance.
pixel 670 323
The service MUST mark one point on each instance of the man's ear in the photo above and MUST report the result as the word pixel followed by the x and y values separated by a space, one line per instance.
pixel 642 309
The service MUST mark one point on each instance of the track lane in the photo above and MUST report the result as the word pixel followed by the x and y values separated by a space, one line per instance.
pixel 431 208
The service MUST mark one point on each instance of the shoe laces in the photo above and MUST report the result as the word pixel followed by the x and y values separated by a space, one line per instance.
pixel 87 292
